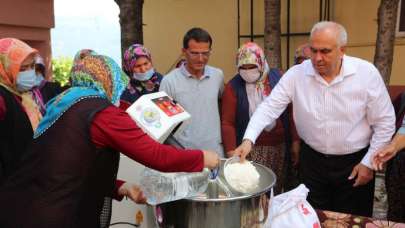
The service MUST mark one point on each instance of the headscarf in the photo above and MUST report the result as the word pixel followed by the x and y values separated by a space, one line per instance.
pixel 12 53
pixel 91 76
pixel 83 53
pixel 40 82
pixel 133 53
pixel 251 53
pixel 303 51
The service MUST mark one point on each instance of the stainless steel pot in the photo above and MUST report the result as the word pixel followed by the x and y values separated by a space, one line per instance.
pixel 219 206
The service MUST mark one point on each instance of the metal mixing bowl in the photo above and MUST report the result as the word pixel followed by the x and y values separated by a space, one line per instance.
pixel 219 206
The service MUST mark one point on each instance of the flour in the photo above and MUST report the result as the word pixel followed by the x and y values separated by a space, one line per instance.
pixel 243 177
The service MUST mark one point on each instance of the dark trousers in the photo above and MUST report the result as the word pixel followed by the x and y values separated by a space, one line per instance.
pixel 326 177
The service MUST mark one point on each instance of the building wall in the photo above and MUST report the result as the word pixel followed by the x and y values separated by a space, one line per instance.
pixel 167 21
pixel 30 21
pixel 360 19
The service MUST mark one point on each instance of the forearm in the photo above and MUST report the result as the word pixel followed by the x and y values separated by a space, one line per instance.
pixel 398 142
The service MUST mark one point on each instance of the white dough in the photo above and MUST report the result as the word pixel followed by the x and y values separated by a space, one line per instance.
pixel 243 177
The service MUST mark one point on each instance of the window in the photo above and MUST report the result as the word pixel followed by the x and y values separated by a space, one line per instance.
pixel 400 32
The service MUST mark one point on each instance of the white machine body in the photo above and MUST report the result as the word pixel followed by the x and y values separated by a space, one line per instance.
pixel 158 115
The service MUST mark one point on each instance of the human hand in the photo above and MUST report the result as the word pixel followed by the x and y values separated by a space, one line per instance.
pixel 211 159
pixel 363 173
pixel 295 152
pixel 132 191
pixel 381 156
pixel 243 149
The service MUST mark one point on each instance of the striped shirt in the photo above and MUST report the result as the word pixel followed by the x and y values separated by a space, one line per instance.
pixel 342 117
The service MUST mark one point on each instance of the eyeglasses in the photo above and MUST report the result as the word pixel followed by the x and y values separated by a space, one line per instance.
pixel 196 54
pixel 323 51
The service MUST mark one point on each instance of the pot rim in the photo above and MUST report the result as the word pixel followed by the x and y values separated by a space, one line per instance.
pixel 241 197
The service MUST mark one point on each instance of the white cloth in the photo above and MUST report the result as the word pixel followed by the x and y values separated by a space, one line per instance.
pixel 342 117
pixel 291 209
pixel 255 96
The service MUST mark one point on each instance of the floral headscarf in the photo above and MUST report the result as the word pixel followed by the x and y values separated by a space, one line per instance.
pixel 83 53
pixel 12 53
pixel 303 51
pixel 133 53
pixel 138 88
pixel 251 53
pixel 91 76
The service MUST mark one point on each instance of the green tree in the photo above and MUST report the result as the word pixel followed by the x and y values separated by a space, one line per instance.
pixel 61 69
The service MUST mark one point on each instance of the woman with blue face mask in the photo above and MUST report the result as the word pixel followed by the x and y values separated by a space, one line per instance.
pixel 41 89
pixel 19 113
pixel 143 77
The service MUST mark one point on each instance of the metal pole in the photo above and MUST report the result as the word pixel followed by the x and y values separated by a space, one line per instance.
pixel 288 34
pixel 251 20
pixel 320 10
pixel 238 4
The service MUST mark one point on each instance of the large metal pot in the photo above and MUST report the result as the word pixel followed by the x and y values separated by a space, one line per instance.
pixel 219 206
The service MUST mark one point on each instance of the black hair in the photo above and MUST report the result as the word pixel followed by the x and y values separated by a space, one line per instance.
pixel 197 34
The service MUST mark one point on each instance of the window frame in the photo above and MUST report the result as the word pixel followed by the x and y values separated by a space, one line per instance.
pixel 400 33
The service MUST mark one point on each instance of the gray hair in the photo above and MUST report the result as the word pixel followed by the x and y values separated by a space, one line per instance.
pixel 340 30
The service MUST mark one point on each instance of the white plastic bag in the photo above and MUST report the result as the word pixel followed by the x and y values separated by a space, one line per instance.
pixel 292 210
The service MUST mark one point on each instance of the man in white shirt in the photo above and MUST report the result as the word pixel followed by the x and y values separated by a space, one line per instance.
pixel 198 88
pixel 343 114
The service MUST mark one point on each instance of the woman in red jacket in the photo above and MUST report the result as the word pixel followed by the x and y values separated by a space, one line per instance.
pixel 242 95
pixel 69 173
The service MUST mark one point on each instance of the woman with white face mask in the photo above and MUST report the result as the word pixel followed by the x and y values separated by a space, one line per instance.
pixel 143 77
pixel 243 94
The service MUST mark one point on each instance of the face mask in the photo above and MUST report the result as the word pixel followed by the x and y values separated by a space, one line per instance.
pixel 250 75
pixel 26 80
pixel 39 79
pixel 144 76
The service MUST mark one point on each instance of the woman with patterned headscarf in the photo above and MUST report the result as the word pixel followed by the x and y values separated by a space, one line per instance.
pixel 19 113
pixel 68 176
pixel 243 94
pixel 143 77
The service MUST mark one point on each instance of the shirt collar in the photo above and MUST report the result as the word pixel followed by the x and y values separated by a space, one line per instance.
pixel 347 68
pixel 207 72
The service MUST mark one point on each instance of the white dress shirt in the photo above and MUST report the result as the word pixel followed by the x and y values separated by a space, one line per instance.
pixel 342 117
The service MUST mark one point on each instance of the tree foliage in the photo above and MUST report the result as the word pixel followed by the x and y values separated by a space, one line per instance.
pixel 61 69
